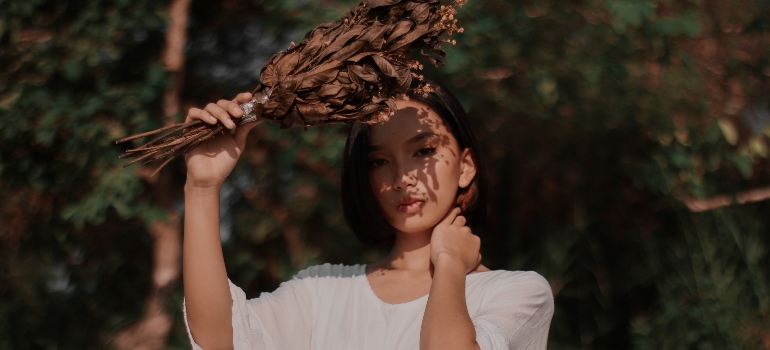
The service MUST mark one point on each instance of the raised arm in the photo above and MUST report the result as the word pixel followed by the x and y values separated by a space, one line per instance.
pixel 516 316
pixel 454 252
pixel 207 295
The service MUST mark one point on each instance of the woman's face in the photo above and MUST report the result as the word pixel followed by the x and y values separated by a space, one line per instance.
pixel 416 167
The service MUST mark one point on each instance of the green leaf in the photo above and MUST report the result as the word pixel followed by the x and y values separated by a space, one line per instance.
pixel 744 164
pixel 686 24
pixel 7 100
pixel 73 69
pixel 630 13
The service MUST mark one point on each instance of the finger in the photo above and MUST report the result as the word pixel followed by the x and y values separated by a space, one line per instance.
pixel 242 132
pixel 231 107
pixel 199 114
pixel 243 97
pixel 220 114
pixel 459 221
pixel 450 217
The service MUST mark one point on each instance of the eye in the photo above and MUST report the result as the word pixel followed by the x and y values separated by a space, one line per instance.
pixel 377 162
pixel 425 151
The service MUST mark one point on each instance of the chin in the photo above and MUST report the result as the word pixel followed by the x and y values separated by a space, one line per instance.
pixel 417 224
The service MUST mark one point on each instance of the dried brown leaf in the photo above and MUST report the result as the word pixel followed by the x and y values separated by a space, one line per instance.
pixel 417 32
pixel 380 3
pixel 348 51
pixel 378 43
pixel 355 81
pixel 315 80
pixel 290 82
pixel 391 103
pixel 364 72
pixel 343 78
pixel 361 55
pixel 370 108
pixel 329 90
pixel 401 28
pixel 324 67
pixel 269 75
pixel 313 112
pixel 341 40
pixel 336 102
pixel 420 13
pixel 434 61
pixel 285 100
pixel 311 96
pixel 404 79
pixel 377 30
pixel 385 66
pixel 292 119
pixel 312 47
pixel 286 65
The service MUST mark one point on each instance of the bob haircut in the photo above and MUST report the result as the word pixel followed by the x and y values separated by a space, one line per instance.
pixel 361 209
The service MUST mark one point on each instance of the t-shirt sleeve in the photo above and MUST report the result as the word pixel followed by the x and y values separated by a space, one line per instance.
pixel 517 315
pixel 278 320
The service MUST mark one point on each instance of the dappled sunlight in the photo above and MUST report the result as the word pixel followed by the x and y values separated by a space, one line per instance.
pixel 627 146
pixel 420 160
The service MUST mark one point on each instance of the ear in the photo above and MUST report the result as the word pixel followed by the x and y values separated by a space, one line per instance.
pixel 467 168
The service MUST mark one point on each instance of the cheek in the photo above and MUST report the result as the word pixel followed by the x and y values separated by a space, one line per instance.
pixel 447 173
pixel 378 183
pixel 442 181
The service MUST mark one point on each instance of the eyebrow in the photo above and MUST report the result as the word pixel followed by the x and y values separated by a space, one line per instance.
pixel 416 138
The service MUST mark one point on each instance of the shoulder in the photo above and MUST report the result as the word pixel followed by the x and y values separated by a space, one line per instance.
pixel 505 278
pixel 521 286
pixel 331 270
pixel 513 307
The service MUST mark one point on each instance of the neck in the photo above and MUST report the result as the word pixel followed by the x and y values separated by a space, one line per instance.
pixel 411 252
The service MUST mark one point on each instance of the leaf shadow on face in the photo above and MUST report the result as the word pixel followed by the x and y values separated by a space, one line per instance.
pixel 424 175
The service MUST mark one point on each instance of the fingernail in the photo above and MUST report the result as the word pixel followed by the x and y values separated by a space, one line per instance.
pixel 230 123
pixel 212 119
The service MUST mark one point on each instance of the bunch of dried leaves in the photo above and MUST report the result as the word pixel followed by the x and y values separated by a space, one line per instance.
pixel 351 70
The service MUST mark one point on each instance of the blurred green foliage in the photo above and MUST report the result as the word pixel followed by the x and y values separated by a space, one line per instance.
pixel 75 254
pixel 600 120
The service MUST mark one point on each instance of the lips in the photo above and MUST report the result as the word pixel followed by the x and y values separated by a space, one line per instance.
pixel 410 205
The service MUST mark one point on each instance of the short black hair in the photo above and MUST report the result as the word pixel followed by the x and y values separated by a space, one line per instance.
pixel 361 209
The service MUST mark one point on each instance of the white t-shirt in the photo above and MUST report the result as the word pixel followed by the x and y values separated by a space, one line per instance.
pixel 333 307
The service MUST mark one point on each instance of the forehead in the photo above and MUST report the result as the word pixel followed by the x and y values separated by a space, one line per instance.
pixel 412 118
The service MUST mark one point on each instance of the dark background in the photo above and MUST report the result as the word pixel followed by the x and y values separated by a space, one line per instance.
pixel 627 139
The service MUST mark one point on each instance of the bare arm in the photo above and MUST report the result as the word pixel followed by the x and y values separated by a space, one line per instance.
pixel 446 324
pixel 207 294
pixel 454 252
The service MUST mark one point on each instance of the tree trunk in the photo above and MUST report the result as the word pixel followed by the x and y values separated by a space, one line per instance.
pixel 152 331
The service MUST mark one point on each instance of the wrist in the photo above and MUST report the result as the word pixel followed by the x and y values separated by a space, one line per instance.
pixel 200 188
pixel 446 262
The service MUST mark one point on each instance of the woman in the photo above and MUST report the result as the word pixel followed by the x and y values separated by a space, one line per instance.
pixel 414 182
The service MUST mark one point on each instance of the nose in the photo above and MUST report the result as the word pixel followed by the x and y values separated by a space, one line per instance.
pixel 404 178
